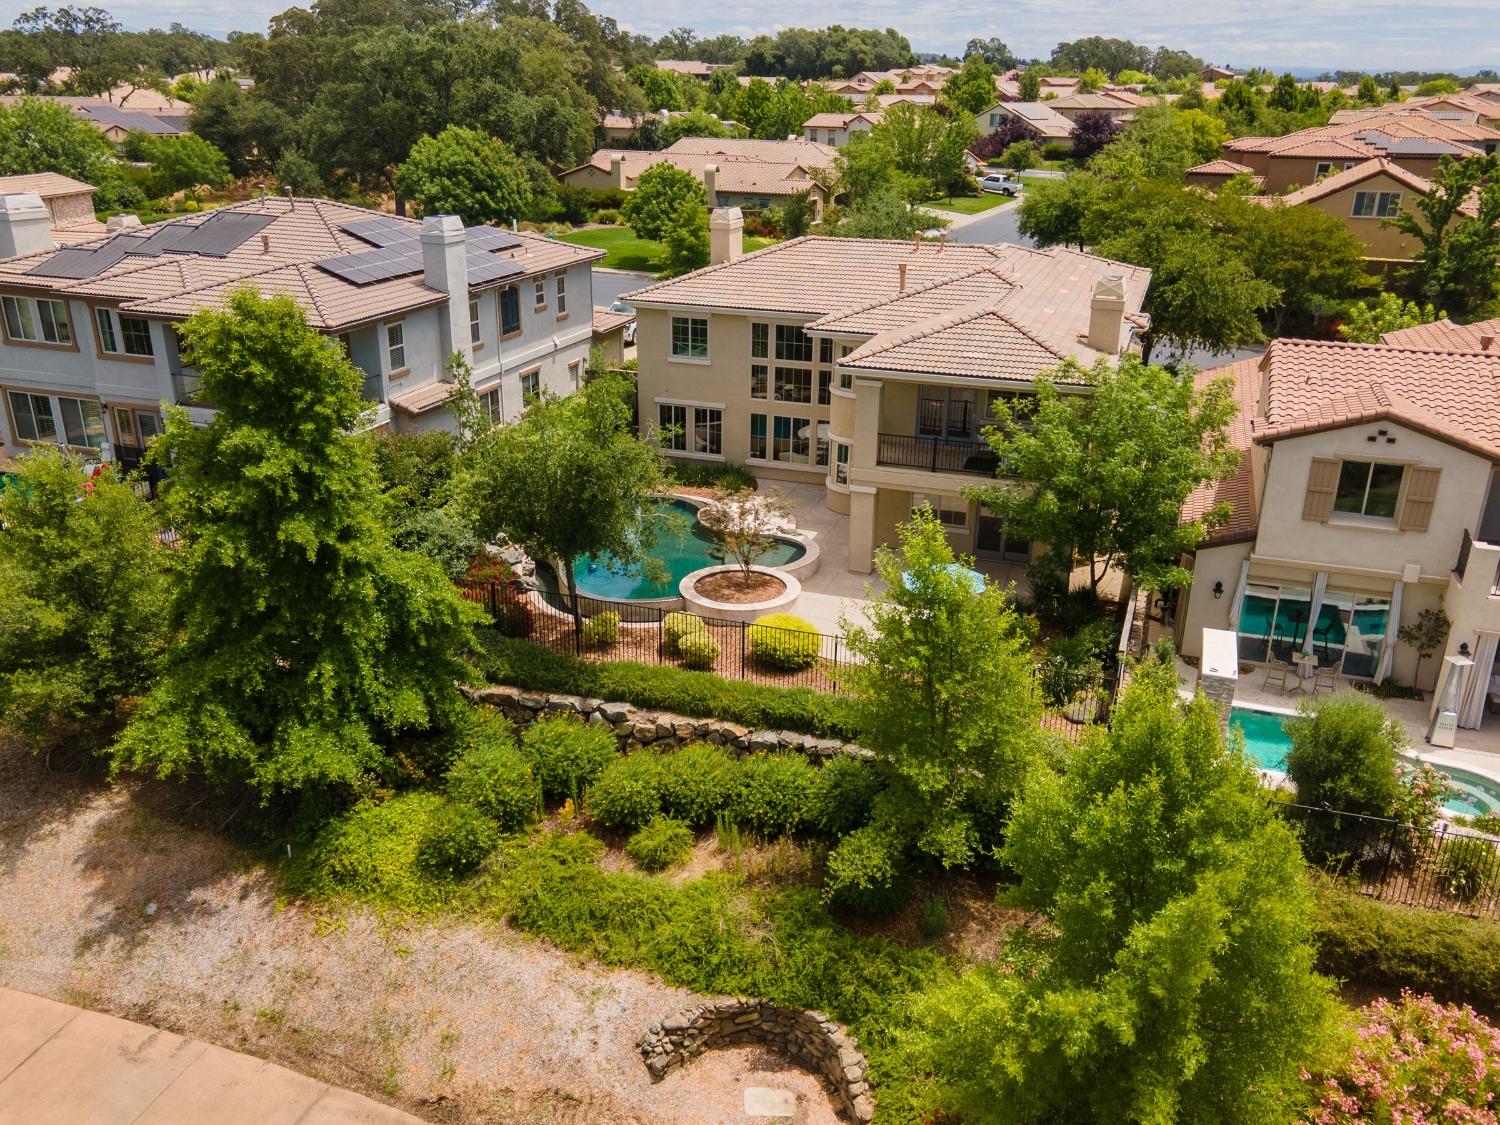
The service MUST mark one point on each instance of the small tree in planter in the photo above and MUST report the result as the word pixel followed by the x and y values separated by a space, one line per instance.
pixel 745 524
pixel 1426 634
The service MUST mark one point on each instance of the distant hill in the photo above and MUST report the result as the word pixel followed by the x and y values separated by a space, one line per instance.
pixel 1306 73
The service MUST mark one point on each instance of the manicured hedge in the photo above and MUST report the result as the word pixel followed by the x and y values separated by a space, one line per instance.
pixel 1387 947
pixel 521 664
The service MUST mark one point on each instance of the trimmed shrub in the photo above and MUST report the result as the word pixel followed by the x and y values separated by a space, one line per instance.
pixel 1346 755
pixel 775 793
pixel 699 651
pixel 676 626
pixel 627 793
pixel 494 776
pixel 867 873
pixel 609 216
pixel 698 781
pixel 1466 868
pixel 843 795
pixel 784 641
pixel 567 753
pixel 601 630
pixel 661 844
pixel 532 667
pixel 457 839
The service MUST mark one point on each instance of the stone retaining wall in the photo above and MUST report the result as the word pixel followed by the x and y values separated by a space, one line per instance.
pixel 810 1039
pixel 637 727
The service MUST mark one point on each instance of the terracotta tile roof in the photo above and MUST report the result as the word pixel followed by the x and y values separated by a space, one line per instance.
pixel 1372 134
pixel 421 399
pixel 48 185
pixel 841 120
pixel 1040 116
pixel 937 298
pixel 750 166
pixel 971 342
pixel 1337 182
pixel 1239 490
pixel 301 233
pixel 606 321
pixel 1320 385
pixel 1094 101
pixel 1220 167
pixel 1444 335
pixel 619 121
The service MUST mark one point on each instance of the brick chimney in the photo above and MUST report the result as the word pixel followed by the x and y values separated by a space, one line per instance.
pixel 711 184
pixel 25 226
pixel 726 235
pixel 1107 332
pixel 445 268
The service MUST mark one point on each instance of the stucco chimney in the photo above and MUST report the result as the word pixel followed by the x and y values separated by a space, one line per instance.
pixel 617 171
pixel 726 235
pixel 25 225
pixel 1107 332
pixel 711 184
pixel 116 223
pixel 445 268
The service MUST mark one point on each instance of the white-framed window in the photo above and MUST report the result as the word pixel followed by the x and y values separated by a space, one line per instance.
pixel 840 462
pixel 788 439
pixel 1322 168
pixel 793 384
pixel 1369 488
pixel 123 335
pixel 490 401
pixel 39 322
pixel 760 341
pixel 691 428
pixel 575 373
pixel 510 311
pixel 1376 204
pixel 539 289
pixel 950 510
pixel 475 335
pixel 994 121
pixel 562 294
pixel 395 345
pixel 690 337
pixel 531 384
pixel 793 344
pixel 759 380
pixel 57 419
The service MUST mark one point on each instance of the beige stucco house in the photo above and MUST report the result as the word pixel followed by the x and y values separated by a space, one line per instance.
pixel 871 367
pixel 835 129
pixel 1366 495
pixel 1043 123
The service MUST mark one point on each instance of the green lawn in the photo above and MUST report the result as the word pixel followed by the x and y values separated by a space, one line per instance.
pixel 624 251
pixel 969 204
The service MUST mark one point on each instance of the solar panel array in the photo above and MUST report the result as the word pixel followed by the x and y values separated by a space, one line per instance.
pixel 398 253
pixel 215 237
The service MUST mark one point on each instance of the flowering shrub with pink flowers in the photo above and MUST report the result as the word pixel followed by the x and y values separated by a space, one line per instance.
pixel 1415 1062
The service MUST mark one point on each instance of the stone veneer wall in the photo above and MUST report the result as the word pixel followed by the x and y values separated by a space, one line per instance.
pixel 810 1039
pixel 637 727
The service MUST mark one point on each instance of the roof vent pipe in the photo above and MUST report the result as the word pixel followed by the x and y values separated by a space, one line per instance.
pixel 942 240
pixel 901 277
pixel 916 241
pixel 291 199
pixel 265 244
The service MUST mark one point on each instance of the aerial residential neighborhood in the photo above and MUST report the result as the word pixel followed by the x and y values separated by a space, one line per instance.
pixel 558 566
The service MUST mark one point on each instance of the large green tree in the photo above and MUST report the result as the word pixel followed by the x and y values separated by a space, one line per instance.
pixel 1099 473
pixel 660 192
pixel 972 89
pixel 465 173
pixel 181 163
pixel 83 594
pixel 1457 224
pixel 1175 983
pixel 43 136
pixel 568 478
pixel 304 638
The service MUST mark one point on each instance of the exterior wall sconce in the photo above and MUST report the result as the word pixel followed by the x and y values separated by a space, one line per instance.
pixel 1218 590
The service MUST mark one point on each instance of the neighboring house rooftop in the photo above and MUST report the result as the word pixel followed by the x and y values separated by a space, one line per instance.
pixel 343 265
pixel 607 320
pixel 1349 177
pixel 1045 120
pixel 747 167
pixel 841 120
pixel 1221 167
pixel 1444 335
pixel 1100 101
pixel 1377 133
pixel 1239 490
pixel 48 185
pixel 136 121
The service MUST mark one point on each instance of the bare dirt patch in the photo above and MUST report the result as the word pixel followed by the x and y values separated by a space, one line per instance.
pixel 453 1021
pixel 738 588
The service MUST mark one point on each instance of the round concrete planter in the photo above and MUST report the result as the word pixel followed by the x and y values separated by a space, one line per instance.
pixel 694 602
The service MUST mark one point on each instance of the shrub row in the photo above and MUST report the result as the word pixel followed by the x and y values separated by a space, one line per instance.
pixel 1389 947
pixel 521 664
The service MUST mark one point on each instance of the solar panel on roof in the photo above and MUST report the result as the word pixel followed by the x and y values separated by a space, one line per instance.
pixel 161 239
pixel 488 268
pixel 222 233
pixel 368 266
pixel 380 232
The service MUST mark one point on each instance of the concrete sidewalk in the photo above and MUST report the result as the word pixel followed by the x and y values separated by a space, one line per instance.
pixel 68 1065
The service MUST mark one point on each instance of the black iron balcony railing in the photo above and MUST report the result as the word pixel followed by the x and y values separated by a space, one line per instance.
pixel 936 455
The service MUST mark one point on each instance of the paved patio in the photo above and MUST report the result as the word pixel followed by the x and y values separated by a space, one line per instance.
pixel 65 1064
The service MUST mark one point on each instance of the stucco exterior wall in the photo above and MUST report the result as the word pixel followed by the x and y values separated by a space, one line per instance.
pixel 1380 241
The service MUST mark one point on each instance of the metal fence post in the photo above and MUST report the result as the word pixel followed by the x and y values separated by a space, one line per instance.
pixel 744 625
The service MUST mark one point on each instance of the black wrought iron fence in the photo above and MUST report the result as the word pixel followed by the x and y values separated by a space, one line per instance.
pixel 1441 868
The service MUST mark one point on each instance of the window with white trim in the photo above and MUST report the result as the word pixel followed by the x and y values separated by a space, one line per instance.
pixel 395 346
pixel 562 294
pixel 690 337
pixel 950 510
pixel 539 288
pixel 37 322
pixel 531 384
pixel 759 380
pixel 787 439
pixel 77 422
pixel 793 384
pixel 793 344
pixel 841 462
pixel 1368 488
pixel 575 373
pixel 1322 168
pixel 123 335
pixel 490 401
pixel 1376 204
pixel 687 428
pixel 475 335
pixel 846 378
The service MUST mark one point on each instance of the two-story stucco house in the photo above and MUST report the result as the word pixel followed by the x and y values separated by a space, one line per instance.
pixel 837 128
pixel 1366 494
pixel 88 348
pixel 871 367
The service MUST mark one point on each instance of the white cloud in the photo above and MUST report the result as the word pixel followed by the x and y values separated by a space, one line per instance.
pixel 1331 33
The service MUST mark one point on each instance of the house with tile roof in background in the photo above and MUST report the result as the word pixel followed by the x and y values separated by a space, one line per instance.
pixel 1041 121
pixel 871 367
pixel 88 343
pixel 1368 492
pixel 835 129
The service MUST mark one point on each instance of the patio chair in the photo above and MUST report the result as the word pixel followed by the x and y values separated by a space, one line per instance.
pixel 1326 679
pixel 1277 670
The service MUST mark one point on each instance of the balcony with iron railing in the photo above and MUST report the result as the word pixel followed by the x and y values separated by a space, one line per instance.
pixel 935 454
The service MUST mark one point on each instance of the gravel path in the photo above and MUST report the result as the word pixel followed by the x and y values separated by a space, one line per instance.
pixel 455 1023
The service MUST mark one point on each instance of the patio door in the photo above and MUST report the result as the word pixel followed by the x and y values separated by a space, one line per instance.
pixel 945 412
pixel 991 542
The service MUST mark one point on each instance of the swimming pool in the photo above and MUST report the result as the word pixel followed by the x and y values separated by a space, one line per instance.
pixel 1266 743
pixel 681 549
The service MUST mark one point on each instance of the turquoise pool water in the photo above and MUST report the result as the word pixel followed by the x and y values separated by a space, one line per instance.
pixel 682 549
pixel 1266 742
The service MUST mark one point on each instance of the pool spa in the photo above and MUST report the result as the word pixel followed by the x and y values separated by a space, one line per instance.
pixel 1266 743
pixel 681 549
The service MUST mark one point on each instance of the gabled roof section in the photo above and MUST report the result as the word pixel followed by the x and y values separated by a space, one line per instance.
pixel 48 185
pixel 977 342
pixel 1239 491
pixel 1444 335
pixel 937 298
pixel 1330 185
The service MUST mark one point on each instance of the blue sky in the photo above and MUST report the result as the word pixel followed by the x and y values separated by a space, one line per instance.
pixel 1357 34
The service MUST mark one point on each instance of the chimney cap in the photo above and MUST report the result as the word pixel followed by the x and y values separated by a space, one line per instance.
pixel 444 225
